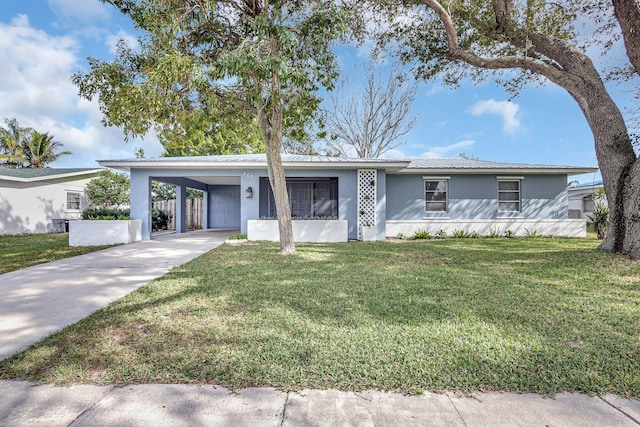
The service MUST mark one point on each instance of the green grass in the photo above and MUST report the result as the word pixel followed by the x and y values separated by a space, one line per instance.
pixel 527 315
pixel 22 251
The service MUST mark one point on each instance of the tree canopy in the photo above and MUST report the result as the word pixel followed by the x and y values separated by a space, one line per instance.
pixel 108 190
pixel 371 119
pixel 477 39
pixel 202 61
pixel 24 147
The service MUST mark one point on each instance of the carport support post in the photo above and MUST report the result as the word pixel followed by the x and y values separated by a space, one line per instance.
pixel 181 209
pixel 205 210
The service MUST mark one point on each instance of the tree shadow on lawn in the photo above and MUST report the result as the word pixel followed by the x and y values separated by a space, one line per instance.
pixel 434 315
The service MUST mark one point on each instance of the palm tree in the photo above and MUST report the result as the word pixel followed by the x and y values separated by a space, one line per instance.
pixel 12 141
pixel 40 149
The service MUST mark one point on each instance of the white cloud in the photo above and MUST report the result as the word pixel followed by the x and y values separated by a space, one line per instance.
pixel 36 68
pixel 506 109
pixel 394 153
pixel 449 150
pixel 84 11
pixel 36 89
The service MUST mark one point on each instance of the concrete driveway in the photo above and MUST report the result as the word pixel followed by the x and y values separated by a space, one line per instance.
pixel 39 300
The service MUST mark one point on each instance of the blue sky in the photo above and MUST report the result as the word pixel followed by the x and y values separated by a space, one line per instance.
pixel 43 42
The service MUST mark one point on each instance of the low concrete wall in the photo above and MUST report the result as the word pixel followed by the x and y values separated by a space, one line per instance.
pixel 104 232
pixel 555 227
pixel 314 231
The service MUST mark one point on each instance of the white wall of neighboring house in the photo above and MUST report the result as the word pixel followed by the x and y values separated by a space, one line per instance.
pixel 581 201
pixel 31 207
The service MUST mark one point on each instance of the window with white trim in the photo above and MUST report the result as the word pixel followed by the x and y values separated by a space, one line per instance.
pixel 73 201
pixel 509 195
pixel 436 195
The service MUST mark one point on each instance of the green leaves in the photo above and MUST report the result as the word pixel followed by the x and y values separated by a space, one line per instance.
pixel 109 190
pixel 201 63
pixel 22 147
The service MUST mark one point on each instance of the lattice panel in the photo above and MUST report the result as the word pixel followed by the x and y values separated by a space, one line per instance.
pixel 367 184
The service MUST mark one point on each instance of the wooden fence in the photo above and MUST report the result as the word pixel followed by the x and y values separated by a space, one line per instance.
pixel 195 212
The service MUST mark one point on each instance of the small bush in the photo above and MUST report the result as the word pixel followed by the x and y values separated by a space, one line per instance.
pixel 238 236
pixel 493 234
pixel 401 236
pixel 460 234
pixel 159 219
pixel 474 235
pixel 421 234
pixel 599 220
pixel 104 213
pixel 532 234
pixel 509 234
pixel 441 234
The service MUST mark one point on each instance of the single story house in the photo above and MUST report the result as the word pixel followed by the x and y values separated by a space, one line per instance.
pixel 39 200
pixel 388 196
pixel 581 203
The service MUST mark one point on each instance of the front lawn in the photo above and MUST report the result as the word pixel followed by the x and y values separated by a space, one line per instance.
pixel 529 315
pixel 23 251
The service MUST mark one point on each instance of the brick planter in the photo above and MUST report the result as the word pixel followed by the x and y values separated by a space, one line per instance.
pixel 315 231
pixel 104 232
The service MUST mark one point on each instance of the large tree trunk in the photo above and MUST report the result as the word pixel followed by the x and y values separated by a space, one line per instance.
pixel 614 149
pixel 628 15
pixel 271 127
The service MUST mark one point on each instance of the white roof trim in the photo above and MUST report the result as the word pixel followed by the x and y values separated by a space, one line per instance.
pixel 49 177
pixel 490 171
pixel 171 164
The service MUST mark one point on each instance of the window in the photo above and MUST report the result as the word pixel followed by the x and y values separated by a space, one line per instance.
pixel 436 195
pixel 509 196
pixel 73 201
pixel 308 197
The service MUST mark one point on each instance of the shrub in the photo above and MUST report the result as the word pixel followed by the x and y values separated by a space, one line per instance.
pixel 493 234
pixel 159 219
pixel 460 234
pixel 401 236
pixel 105 213
pixel 532 234
pixel 475 235
pixel 441 234
pixel 238 236
pixel 599 220
pixel 421 234
pixel 509 234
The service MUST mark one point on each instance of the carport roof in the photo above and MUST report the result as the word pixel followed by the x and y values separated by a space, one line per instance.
pixel 292 161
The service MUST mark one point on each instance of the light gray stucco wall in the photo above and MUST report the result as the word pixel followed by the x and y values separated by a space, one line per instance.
pixel 347 193
pixel 249 208
pixel 476 197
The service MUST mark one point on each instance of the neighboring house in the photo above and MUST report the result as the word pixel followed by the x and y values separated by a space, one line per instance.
pixel 36 200
pixel 395 196
pixel 581 201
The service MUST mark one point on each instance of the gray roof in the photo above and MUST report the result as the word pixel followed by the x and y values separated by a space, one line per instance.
pixel 459 163
pixel 302 161
pixel 34 174
pixel 257 158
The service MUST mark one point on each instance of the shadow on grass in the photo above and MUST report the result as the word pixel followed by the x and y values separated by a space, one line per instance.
pixel 543 315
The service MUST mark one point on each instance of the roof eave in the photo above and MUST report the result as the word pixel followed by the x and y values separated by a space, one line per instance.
pixel 127 165
pixel 505 171
pixel 49 177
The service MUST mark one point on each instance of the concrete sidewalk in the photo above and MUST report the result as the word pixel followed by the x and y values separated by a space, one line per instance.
pixel 39 300
pixel 156 405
